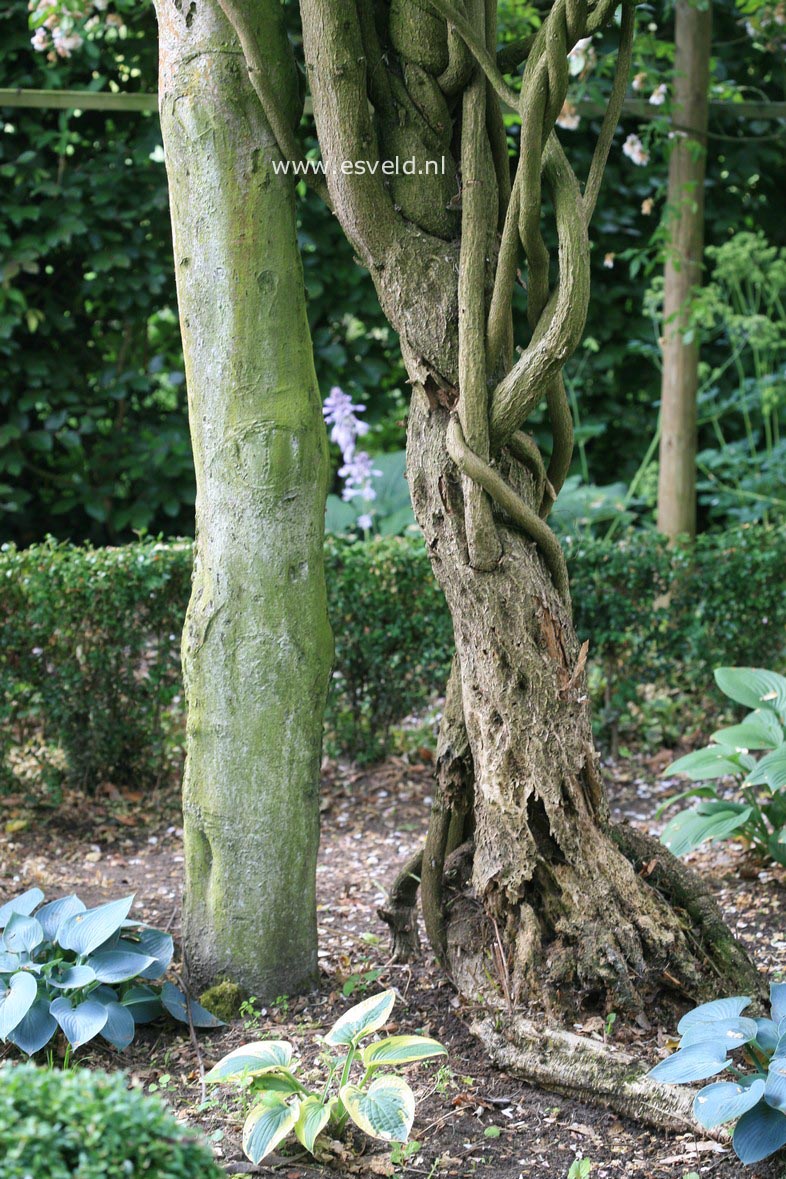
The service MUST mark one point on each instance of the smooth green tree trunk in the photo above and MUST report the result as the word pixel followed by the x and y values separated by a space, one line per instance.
pixel 257 647
pixel 684 254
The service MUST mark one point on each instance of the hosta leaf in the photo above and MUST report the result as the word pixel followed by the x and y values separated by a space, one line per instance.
pixel 8 962
pixel 385 1110
pixel 755 687
pixel 696 1063
pixel 724 1101
pixel 771 770
pixel 72 978
pixel 759 730
pixel 732 1033
pixel 775 1090
pixel 759 1133
pixel 252 1059
pixel 268 1124
pixel 85 932
pixel 115 966
pixel 119 1027
pixel 694 792
pixel 313 1117
pixel 778 1001
pixel 690 828
pixel 80 1023
pixel 716 761
pixel 24 904
pixel 362 1019
pixel 144 1004
pixel 36 1029
pixel 22 934
pixel 767 1034
pixel 156 945
pixel 52 915
pixel 175 1002
pixel 712 1012
pixel 16 1001
pixel 397 1050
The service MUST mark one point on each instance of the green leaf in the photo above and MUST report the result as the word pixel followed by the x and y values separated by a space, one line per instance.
pixel 268 1123
pixel 399 1050
pixel 715 761
pixel 690 828
pixel 362 1020
pixel 759 730
pixel 85 932
pixel 753 686
pixel 263 1056
pixel 144 1004
pixel 16 1000
pixel 314 1116
pixel 771 770
pixel 385 1110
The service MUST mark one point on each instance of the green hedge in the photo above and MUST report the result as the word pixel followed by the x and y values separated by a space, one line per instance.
pixel 88 1125
pixel 89 639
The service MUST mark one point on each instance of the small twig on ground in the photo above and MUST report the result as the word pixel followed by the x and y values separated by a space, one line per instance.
pixel 194 1040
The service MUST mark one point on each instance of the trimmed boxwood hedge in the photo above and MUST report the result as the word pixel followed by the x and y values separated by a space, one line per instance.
pixel 79 1124
pixel 89 638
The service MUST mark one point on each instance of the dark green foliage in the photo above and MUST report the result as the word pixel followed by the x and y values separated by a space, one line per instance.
pixel 88 1125
pixel 89 640
pixel 93 440
pixel 89 656
pixel 393 635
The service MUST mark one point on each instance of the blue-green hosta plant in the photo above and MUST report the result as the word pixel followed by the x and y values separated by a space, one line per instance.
pixel 89 972
pixel 754 752
pixel 756 1098
pixel 379 1103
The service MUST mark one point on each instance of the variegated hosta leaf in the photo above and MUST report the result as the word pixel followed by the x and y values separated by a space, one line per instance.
pixel 385 1110
pixel 268 1124
pixel 252 1059
pixel 401 1050
pixel 314 1116
pixel 362 1019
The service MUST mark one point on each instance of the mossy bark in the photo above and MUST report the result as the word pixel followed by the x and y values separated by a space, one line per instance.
pixel 257 647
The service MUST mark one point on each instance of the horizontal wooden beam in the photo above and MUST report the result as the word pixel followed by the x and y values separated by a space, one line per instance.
pixel 83 100
pixel 106 100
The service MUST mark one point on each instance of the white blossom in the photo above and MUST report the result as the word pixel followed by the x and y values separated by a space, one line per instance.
pixel 634 149
pixel 658 96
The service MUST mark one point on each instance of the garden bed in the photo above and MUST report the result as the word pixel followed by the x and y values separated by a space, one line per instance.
pixel 470 1118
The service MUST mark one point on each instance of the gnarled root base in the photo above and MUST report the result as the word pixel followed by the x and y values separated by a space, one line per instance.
pixel 585 1070
pixel 401 912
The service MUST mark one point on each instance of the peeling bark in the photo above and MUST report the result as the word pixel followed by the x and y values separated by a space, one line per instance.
pixel 586 1070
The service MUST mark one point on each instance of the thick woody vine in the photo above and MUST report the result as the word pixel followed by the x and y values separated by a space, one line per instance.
pixel 423 78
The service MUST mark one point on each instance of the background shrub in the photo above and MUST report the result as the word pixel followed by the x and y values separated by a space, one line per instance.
pixel 89 642
pixel 87 1125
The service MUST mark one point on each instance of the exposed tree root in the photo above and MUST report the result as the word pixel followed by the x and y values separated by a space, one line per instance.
pixel 685 890
pixel 401 912
pixel 586 1070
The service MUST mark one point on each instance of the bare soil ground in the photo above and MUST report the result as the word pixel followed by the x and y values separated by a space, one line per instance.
pixel 471 1119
